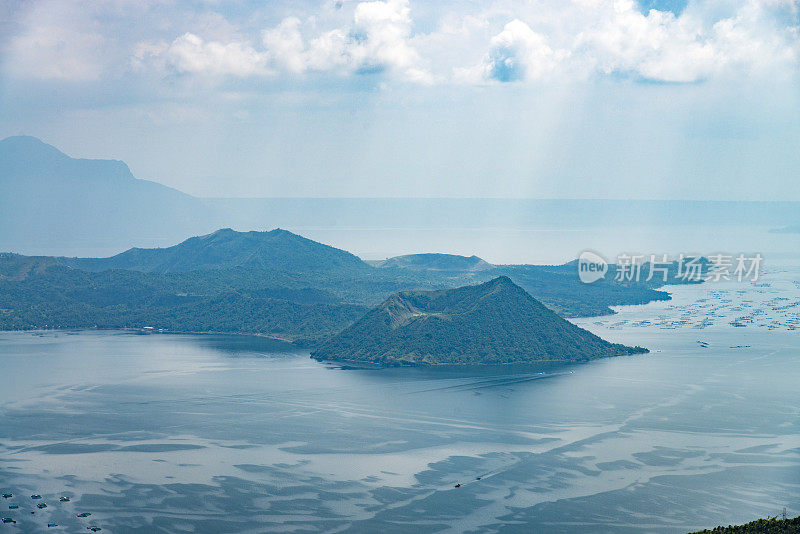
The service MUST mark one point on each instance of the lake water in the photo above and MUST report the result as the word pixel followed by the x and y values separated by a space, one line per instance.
pixel 169 433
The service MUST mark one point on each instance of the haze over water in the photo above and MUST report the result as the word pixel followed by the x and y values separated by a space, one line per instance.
pixel 244 434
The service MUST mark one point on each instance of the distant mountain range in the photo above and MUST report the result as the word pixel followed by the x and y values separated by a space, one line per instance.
pixel 435 262
pixel 793 229
pixel 48 197
pixel 51 203
pixel 495 322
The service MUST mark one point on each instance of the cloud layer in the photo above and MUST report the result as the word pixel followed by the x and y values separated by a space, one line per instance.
pixel 477 43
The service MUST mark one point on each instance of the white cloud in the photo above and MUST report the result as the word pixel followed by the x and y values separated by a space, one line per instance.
pixel 755 39
pixel 380 35
pixel 189 53
pixel 285 46
pixel 487 41
pixel 56 44
pixel 377 39
pixel 519 53
pixel 615 37
pixel 657 45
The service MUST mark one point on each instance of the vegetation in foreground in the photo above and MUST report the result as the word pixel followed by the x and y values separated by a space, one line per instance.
pixel 772 525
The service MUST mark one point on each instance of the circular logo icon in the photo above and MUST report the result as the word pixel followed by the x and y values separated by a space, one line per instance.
pixel 591 267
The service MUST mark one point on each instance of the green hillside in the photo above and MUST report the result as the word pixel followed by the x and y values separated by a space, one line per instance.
pixel 225 249
pixel 274 283
pixel 496 322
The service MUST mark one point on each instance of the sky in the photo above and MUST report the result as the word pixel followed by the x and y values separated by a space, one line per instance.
pixel 655 99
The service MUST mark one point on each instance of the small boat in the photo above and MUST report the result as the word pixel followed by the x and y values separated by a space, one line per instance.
pixel 84 514
pixel 13 506
pixel 52 525
pixel 457 485
pixel 8 495
pixel 94 529
pixel 64 499
pixel 36 496
pixel 41 505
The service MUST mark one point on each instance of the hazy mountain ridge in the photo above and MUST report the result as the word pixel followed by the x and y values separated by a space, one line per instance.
pixel 52 203
pixel 275 283
pixel 496 322
pixel 792 229
pixel 225 249
pixel 435 262
pixel 48 197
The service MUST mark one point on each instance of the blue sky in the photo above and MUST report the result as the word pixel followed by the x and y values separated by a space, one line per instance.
pixel 503 98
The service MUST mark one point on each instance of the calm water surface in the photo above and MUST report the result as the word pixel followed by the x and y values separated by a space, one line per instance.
pixel 166 433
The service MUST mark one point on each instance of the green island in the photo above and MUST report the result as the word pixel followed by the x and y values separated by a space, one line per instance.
pixel 495 322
